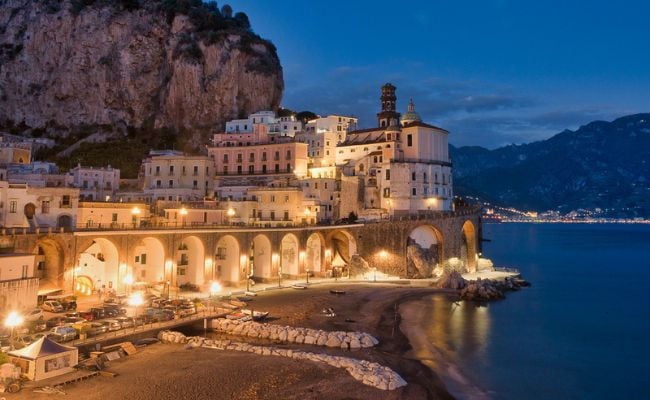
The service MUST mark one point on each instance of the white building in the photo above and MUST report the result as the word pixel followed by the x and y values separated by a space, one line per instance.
pixel 281 126
pixel 174 176
pixel 37 207
pixel 95 184
pixel 18 286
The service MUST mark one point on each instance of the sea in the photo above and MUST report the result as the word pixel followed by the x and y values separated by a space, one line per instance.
pixel 581 331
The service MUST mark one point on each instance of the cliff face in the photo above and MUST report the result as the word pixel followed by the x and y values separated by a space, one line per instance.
pixel 107 65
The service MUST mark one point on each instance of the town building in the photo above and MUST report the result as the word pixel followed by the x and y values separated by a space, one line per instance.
pixel 18 285
pixel 95 184
pixel 37 207
pixel 286 125
pixel 174 176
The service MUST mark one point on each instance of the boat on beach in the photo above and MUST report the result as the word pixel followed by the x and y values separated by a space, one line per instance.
pixel 256 315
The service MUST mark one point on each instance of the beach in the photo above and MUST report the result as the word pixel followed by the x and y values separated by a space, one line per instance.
pixel 168 371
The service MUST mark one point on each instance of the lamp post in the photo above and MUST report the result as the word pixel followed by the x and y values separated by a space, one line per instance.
pixel 13 320
pixel 307 215
pixel 215 287
pixel 274 260
pixel 183 213
pixel 128 281
pixel 136 301
pixel 135 211
pixel 231 213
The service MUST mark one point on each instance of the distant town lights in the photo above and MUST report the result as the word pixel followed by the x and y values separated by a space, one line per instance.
pixel 136 300
pixel 128 280
pixel 383 254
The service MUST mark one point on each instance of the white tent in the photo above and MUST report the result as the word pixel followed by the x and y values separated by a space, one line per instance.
pixel 45 359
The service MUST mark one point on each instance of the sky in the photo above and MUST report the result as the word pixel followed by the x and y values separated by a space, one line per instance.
pixel 492 72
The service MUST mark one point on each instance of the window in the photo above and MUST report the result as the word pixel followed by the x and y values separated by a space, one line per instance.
pixel 195 184
pixel 196 170
pixel 277 156
pixel 272 198
pixel 143 259
pixel 251 169
pixel 425 176
pixel 45 207
pixel 239 157
pixel 158 183
pixel 264 156
pixel 157 170
pixel 409 140
pixel 315 185
pixel 386 192
pixel 412 176
pixel 286 199
pixel 414 191
pixel 225 158
pixel 272 215
pixel 325 185
pixel 171 170
pixel 389 136
pixel 65 200
pixel 288 167
pixel 225 170
pixel 251 157
pixel 286 215
pixel 277 168
pixel 171 183
pixel 387 174
pixel 114 217
pixel 264 169
pixel 288 155
pixel 239 170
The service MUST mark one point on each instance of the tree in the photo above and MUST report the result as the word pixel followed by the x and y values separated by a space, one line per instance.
pixel 305 116
pixel 242 21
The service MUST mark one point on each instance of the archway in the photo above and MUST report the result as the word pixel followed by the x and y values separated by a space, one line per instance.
pixel 344 246
pixel 468 246
pixel 227 260
pixel 64 221
pixel 149 261
pixel 261 262
pixel 50 263
pixel 314 252
pixel 289 255
pixel 190 261
pixel 99 263
pixel 424 250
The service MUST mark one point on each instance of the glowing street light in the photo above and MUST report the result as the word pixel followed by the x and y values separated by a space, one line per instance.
pixel 231 213
pixel 128 281
pixel 135 211
pixel 215 287
pixel 136 301
pixel 13 320
pixel 183 213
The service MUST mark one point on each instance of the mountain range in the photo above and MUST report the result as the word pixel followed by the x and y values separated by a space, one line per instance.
pixel 602 165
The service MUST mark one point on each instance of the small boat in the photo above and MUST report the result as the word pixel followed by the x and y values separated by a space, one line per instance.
pixel 229 306
pixel 298 286
pixel 239 316
pixel 145 341
pixel 257 315
pixel 337 292
pixel 238 303
pixel 251 294
pixel 245 298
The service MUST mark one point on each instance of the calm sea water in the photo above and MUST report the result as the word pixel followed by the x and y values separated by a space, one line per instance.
pixel 582 331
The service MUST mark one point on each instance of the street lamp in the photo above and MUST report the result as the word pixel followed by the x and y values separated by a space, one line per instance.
pixel 215 287
pixel 307 214
pixel 230 213
pixel 135 211
pixel 128 281
pixel 13 320
pixel 183 213
pixel 136 301
pixel 274 260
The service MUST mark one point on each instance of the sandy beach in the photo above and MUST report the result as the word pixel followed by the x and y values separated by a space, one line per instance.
pixel 166 371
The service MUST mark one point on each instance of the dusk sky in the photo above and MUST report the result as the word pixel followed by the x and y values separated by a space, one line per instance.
pixel 492 72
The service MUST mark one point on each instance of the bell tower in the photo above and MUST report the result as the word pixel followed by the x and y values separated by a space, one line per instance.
pixel 388 116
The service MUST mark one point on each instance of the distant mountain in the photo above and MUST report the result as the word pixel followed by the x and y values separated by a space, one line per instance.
pixel 602 164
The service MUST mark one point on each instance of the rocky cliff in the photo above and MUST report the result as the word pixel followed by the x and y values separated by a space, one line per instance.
pixel 66 64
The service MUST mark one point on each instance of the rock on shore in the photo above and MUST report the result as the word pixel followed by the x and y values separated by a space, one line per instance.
pixel 289 334
pixel 369 373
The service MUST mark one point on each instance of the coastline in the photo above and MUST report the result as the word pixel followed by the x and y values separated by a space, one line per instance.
pixel 414 316
pixel 200 373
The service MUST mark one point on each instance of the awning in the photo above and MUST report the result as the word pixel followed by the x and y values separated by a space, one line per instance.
pixel 45 292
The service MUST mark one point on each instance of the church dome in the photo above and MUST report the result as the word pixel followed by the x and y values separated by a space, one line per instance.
pixel 410 115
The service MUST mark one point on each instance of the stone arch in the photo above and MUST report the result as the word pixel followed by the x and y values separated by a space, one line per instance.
pixel 468 246
pixel 289 255
pixel 64 221
pixel 100 262
pixel 50 263
pixel 344 246
pixel 424 252
pixel 29 210
pixel 190 261
pixel 227 260
pixel 149 261
pixel 261 257
pixel 314 250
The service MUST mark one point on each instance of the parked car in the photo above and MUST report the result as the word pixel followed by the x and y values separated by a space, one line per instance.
pixel 72 314
pixel 62 333
pixel 52 306
pixel 125 322
pixel 36 326
pixel 69 304
pixel 96 328
pixel 111 324
pixel 33 315
pixel 98 313
pixel 87 315
pixel 55 321
pixel 157 315
pixel 74 320
pixel 186 310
